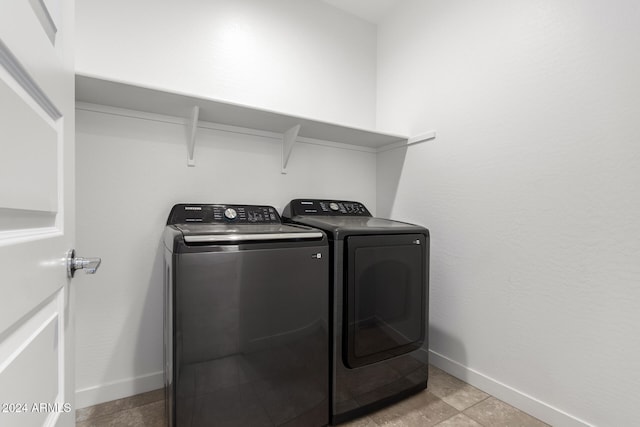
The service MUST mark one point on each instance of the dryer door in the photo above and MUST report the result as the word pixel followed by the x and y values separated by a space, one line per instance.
pixel 386 292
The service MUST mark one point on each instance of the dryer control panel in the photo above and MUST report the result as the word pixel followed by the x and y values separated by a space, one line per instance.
pixel 223 214
pixel 325 208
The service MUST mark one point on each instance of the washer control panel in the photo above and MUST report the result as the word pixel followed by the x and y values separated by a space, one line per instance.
pixel 325 208
pixel 223 214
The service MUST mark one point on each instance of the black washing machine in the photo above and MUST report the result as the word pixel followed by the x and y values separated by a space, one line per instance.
pixel 246 318
pixel 379 304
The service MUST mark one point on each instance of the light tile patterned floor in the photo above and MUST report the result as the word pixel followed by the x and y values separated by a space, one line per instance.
pixel 447 402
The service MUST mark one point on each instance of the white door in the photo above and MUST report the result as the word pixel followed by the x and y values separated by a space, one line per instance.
pixel 36 212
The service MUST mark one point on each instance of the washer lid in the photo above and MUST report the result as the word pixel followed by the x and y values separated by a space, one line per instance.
pixel 216 233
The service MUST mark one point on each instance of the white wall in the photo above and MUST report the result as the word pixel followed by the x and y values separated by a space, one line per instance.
pixel 530 192
pixel 130 172
pixel 301 57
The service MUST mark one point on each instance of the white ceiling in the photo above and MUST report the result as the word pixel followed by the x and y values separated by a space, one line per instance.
pixel 369 10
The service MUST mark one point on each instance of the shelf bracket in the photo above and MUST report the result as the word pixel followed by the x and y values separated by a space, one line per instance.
pixel 191 141
pixel 422 137
pixel 288 140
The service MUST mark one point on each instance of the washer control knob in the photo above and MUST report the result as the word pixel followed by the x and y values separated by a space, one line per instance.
pixel 230 213
pixel 334 206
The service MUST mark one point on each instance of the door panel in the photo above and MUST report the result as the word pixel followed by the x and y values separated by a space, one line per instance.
pixel 36 346
pixel 29 161
pixel 36 212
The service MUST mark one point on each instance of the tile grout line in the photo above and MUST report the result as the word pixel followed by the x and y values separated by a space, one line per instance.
pixel 447 419
pixel 476 404
pixel 461 412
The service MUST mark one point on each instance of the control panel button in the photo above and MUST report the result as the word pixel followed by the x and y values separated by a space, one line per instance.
pixel 334 206
pixel 230 213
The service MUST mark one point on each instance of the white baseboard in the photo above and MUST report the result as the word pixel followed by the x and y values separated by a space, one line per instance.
pixel 539 409
pixel 118 389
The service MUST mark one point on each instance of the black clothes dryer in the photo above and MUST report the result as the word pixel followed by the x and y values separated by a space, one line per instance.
pixel 379 304
pixel 246 318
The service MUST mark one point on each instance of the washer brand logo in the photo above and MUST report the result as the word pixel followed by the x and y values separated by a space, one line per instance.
pixel 317 256
pixel 192 208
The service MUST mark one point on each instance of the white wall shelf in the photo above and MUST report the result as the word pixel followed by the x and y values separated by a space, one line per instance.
pixel 96 90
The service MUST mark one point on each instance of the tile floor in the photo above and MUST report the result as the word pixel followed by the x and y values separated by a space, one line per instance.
pixel 447 402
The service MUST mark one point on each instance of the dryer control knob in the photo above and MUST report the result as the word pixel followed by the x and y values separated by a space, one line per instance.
pixel 334 206
pixel 230 213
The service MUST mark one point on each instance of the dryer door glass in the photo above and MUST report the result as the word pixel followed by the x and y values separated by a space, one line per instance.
pixel 385 296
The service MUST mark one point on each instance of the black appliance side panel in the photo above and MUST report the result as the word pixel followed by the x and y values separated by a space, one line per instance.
pixel 168 320
pixel 252 337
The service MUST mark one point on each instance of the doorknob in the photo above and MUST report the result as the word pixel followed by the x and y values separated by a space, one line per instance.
pixel 89 265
